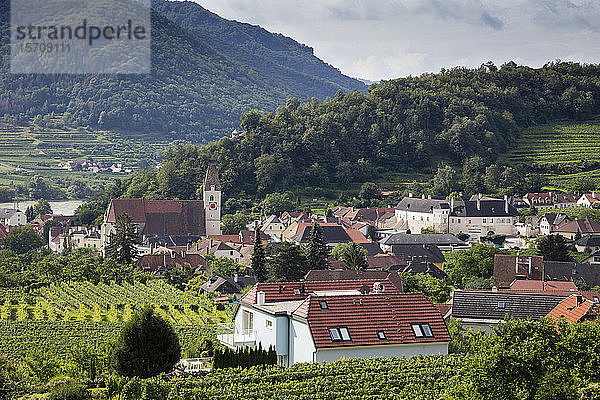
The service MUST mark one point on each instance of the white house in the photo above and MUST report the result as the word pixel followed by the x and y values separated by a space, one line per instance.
pixel 589 199
pixel 324 321
pixel 424 213
pixel 12 217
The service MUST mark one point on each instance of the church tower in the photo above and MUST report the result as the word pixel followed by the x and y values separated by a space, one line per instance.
pixel 212 201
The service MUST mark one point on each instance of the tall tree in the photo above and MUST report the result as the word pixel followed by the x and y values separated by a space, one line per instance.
pixel 287 263
pixel 22 239
pixel 352 255
pixel 553 248
pixel 147 346
pixel 259 260
pixel 316 251
pixel 122 245
pixel 42 207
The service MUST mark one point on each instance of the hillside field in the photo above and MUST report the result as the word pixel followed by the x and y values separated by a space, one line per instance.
pixel 27 150
pixel 569 150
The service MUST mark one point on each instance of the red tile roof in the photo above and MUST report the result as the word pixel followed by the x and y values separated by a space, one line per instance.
pixel 161 217
pixel 584 226
pixel 287 291
pixel 366 315
pixel 522 284
pixel 574 308
pixel 357 236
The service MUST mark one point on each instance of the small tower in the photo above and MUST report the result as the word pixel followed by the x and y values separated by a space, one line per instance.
pixel 212 201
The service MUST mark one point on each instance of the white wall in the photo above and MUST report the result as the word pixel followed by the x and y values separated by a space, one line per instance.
pixel 266 336
pixel 401 350
pixel 302 347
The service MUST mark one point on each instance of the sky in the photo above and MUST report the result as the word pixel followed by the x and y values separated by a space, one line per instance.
pixel 386 39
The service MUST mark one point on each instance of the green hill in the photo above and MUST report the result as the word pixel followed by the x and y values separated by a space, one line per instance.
pixel 194 92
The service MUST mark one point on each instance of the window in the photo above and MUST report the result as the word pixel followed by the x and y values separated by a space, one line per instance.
pixel 247 320
pixel 501 304
pixel 335 334
pixel 345 334
pixel 323 305
pixel 426 330
pixel 340 334
pixel 422 330
pixel 596 300
pixel 470 222
pixel 484 220
pixel 417 330
pixel 459 221
pixel 381 335
pixel 452 219
pixel 597 259
pixel 269 323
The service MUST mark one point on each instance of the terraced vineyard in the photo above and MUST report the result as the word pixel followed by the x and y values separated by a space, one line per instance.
pixel 558 143
pixel 55 317
pixel 28 150
pixel 560 146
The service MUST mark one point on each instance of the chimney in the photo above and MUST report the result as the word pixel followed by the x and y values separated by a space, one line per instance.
pixel 579 300
pixel 410 195
pixel 188 246
pixel 529 265
pixel 260 298
pixel 506 204
pixel 479 202
pixel 236 278
pixel 495 289
pixel 452 204
pixel 429 197
pixel 423 197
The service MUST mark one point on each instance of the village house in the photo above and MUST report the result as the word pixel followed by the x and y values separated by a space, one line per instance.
pixel 575 308
pixel 163 218
pixel 589 199
pixel 445 242
pixel 551 200
pixel 583 227
pixel 510 267
pixel 482 216
pixel 318 321
pixel 227 284
pixel 593 258
pixel 168 260
pixel 588 274
pixel 477 216
pixel 484 310
pixel 333 234
pixel 549 223
pixel 591 242
pixel 273 227
pixel 11 217
pixel 424 213
pixel 216 248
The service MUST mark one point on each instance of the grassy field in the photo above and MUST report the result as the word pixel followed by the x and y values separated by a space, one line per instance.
pixel 28 150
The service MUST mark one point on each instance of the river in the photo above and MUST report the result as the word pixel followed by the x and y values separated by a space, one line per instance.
pixel 64 207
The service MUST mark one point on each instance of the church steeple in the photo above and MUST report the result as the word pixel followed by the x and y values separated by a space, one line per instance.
pixel 212 200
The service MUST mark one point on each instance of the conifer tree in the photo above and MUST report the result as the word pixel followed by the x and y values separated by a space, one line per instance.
pixel 122 246
pixel 258 260
pixel 316 252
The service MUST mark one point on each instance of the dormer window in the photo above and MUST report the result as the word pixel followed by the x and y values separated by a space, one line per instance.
pixel 323 305
pixel 501 304
pixel 381 335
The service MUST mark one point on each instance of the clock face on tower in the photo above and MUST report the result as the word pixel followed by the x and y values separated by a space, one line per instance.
pixel 212 206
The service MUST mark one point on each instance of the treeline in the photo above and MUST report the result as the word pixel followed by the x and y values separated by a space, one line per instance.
pixel 459 118
pixel 244 357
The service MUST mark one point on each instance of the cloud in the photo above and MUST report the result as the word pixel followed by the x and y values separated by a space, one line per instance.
pixel 383 39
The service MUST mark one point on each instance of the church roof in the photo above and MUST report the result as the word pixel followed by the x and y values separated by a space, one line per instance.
pixel 212 178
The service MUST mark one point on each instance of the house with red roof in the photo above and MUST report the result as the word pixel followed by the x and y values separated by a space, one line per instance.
pixel 325 321
pixel 575 308
pixel 589 199
pixel 584 227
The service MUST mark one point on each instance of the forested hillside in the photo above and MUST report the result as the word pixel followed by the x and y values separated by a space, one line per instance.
pixel 413 124
pixel 194 92
pixel 273 55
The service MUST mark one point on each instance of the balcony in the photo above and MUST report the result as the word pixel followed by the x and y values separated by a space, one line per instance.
pixel 227 335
